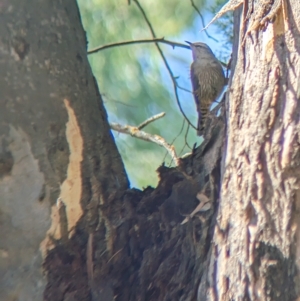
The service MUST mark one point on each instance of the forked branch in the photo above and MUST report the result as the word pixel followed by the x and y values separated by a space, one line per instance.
pixel 136 132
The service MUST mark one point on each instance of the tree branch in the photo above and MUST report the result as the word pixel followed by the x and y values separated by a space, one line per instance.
pixel 184 89
pixel 124 43
pixel 202 20
pixel 135 132
pixel 151 119
pixel 164 60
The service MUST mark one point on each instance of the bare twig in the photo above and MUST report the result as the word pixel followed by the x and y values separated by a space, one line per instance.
pixel 202 20
pixel 223 64
pixel 135 132
pixel 185 137
pixel 181 151
pixel 165 61
pixel 203 200
pixel 124 43
pixel 185 142
pixel 172 143
pixel 151 119
pixel 184 89
pixel 108 99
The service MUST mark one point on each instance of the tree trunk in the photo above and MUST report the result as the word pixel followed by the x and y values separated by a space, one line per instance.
pixel 255 249
pixel 55 143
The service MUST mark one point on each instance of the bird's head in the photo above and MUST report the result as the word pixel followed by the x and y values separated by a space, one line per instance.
pixel 200 50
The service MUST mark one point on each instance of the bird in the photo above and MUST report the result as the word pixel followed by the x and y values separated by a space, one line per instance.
pixel 208 80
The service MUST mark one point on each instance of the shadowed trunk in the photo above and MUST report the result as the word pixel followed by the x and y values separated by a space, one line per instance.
pixel 55 141
pixel 71 229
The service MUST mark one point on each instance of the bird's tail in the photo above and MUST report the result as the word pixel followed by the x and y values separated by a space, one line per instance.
pixel 201 120
pixel 200 129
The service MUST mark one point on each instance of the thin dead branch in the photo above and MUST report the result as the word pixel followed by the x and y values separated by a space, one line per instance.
pixel 185 137
pixel 135 132
pixel 125 43
pixel 172 143
pixel 184 89
pixel 164 60
pixel 151 119
pixel 202 20
pixel 204 205
pixel 185 142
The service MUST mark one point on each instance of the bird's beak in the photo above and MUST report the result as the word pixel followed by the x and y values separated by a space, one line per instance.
pixel 189 42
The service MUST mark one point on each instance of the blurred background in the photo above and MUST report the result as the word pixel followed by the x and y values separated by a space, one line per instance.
pixel 134 81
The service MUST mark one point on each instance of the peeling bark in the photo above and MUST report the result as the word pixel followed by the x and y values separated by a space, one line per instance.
pixel 55 141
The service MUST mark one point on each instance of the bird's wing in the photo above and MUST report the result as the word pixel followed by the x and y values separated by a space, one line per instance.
pixel 196 87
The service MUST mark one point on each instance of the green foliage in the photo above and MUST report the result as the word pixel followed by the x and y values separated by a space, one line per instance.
pixel 132 79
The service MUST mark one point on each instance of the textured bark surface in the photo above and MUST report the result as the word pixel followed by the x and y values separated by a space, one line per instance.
pixel 255 250
pixel 139 249
pixel 70 228
pixel 54 140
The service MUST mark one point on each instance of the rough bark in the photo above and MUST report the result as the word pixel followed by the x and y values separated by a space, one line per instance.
pixel 255 249
pixel 55 142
